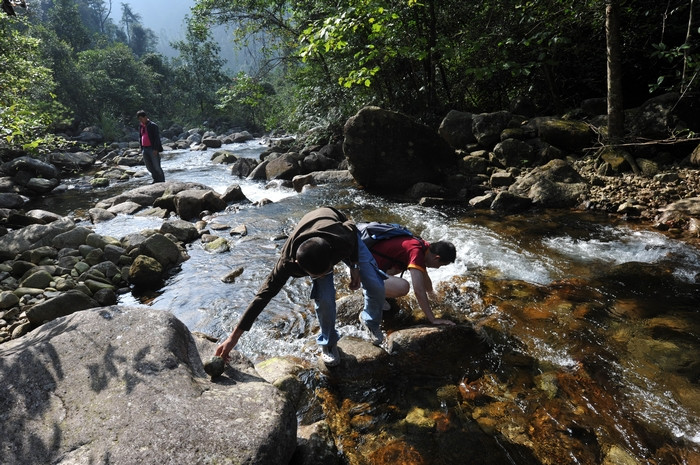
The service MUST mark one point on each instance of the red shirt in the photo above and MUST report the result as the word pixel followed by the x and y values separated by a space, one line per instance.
pixel 145 140
pixel 400 253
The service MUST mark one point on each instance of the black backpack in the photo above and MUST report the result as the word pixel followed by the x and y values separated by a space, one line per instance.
pixel 373 232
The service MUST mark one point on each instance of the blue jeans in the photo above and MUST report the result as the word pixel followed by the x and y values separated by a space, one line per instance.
pixel 152 162
pixel 323 293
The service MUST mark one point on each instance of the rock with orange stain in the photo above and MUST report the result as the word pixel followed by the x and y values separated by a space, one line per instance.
pixel 472 392
pixel 484 389
pixel 582 311
pixel 448 394
pixel 397 452
pixel 419 418
pixel 576 290
pixel 631 308
pixel 505 418
pixel 599 407
pixel 443 421
pixel 537 311
pixel 547 383
pixel 557 437
pixel 616 455
pixel 671 454
pixel 361 422
pixel 500 290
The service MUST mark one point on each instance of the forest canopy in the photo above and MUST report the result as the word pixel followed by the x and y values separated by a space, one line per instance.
pixel 65 64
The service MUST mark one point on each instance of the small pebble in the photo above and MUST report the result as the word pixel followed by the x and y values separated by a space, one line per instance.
pixel 214 366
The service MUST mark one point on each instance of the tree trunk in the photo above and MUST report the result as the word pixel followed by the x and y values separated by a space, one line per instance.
pixel 432 44
pixel 684 80
pixel 616 114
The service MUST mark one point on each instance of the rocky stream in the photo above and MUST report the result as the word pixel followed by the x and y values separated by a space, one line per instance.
pixel 575 292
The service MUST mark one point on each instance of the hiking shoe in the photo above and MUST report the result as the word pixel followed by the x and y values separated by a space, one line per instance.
pixel 330 355
pixel 375 335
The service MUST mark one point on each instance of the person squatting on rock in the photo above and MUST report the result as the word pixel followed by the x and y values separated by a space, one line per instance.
pixel 398 254
pixel 321 239
pixel 151 146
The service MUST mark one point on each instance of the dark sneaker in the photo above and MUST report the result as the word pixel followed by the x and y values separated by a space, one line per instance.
pixel 375 335
pixel 330 355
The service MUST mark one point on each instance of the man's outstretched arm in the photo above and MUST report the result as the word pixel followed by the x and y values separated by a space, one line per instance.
pixel 421 285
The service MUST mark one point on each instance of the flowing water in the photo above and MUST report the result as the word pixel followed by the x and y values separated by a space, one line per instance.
pixel 572 288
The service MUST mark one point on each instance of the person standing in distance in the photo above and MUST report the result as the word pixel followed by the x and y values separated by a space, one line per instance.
pixel 151 148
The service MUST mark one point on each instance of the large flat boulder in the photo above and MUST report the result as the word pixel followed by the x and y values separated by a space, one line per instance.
pixel 145 196
pixel 126 385
pixel 190 203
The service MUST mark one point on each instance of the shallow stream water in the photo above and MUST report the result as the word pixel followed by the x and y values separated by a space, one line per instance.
pixel 571 288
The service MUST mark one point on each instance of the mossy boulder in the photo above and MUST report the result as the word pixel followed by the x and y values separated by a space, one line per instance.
pixel 570 136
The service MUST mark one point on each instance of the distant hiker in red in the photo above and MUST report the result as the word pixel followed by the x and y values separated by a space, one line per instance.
pixel 150 146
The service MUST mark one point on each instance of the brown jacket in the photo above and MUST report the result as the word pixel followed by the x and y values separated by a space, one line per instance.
pixel 326 223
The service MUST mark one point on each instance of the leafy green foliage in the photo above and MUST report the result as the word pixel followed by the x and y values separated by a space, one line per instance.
pixel 67 66
pixel 64 19
pixel 321 60
pixel 681 63
pixel 112 78
pixel 27 105
pixel 199 73
pixel 245 101
pixel 335 36
pixel 424 57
